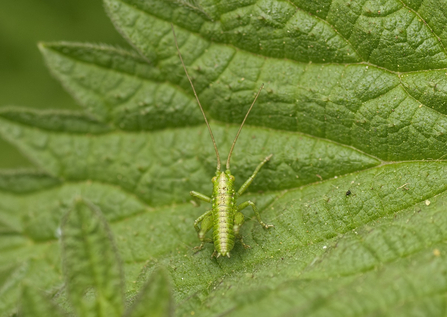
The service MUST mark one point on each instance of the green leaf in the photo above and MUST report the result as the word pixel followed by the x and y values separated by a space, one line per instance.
pixel 92 267
pixel 10 276
pixel 24 181
pixel 35 304
pixel 142 164
pixel 354 101
pixel 120 87
pixel 155 298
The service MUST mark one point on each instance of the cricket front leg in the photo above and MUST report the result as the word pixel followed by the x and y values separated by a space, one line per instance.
pixel 255 210
pixel 206 223
pixel 197 197
pixel 251 178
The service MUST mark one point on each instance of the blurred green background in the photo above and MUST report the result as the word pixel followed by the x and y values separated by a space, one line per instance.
pixel 24 80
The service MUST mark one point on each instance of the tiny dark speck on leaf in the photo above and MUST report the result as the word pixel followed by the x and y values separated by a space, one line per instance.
pixel 348 193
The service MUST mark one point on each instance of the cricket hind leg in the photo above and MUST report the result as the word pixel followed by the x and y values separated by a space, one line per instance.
pixel 251 178
pixel 206 223
pixel 255 210
pixel 239 220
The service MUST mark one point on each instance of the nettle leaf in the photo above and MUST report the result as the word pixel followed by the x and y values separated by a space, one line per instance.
pixel 33 303
pixel 91 265
pixel 155 298
pixel 353 111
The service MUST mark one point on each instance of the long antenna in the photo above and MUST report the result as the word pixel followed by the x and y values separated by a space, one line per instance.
pixel 240 128
pixel 198 101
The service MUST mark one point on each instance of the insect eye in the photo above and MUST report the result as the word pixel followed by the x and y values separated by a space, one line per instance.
pixel 232 177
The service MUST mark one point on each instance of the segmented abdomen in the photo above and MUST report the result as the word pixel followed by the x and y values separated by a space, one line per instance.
pixel 223 214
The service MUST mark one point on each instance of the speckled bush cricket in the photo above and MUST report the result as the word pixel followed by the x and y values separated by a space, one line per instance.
pixel 225 217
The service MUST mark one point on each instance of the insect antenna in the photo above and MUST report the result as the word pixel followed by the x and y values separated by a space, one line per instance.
pixel 240 128
pixel 198 101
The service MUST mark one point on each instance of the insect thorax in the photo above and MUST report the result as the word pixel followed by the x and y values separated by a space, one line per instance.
pixel 223 189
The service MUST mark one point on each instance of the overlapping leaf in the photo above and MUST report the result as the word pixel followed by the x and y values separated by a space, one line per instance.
pixel 355 100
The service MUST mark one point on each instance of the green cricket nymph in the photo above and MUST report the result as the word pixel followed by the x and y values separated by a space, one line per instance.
pixel 225 217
